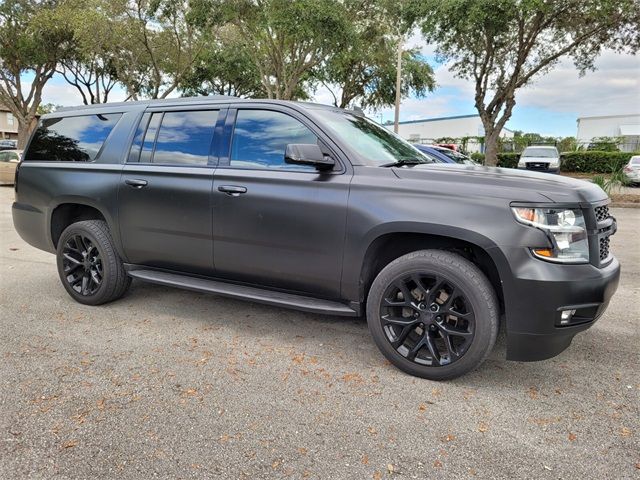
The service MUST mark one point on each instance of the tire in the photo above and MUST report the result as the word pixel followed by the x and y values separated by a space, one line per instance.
pixel 452 321
pixel 100 262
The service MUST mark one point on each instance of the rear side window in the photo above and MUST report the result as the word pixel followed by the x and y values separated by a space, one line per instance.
pixel 71 139
pixel 175 138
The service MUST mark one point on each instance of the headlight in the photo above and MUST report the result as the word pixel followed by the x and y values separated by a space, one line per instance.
pixel 554 162
pixel 565 228
pixel 521 162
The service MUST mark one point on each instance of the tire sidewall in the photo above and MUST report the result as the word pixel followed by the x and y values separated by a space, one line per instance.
pixel 485 319
pixel 102 292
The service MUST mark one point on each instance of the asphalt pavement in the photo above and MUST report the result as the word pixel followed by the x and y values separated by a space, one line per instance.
pixel 175 384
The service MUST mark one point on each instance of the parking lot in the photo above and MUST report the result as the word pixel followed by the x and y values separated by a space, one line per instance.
pixel 176 384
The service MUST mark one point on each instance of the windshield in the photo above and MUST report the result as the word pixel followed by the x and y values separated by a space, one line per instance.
pixel 376 145
pixel 455 156
pixel 540 152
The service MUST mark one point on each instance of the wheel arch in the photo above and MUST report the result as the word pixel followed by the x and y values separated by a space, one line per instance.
pixel 391 241
pixel 68 210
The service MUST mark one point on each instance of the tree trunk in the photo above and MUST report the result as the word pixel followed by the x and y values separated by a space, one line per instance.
pixel 25 127
pixel 491 146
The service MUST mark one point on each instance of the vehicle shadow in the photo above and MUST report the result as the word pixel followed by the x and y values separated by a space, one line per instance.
pixel 251 321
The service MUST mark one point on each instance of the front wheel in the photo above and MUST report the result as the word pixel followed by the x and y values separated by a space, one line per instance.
pixel 433 314
pixel 89 265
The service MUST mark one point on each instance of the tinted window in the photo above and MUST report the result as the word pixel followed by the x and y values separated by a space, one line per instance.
pixel 260 138
pixel 136 146
pixel 150 138
pixel 185 137
pixel 71 139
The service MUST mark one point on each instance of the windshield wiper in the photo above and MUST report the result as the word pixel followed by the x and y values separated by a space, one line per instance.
pixel 407 161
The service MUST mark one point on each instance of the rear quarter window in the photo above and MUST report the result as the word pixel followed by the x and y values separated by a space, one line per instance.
pixel 71 139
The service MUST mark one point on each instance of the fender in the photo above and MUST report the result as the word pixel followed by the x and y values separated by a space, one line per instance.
pixel 355 251
pixel 89 202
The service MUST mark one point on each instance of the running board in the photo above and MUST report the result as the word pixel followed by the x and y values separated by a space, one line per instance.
pixel 269 297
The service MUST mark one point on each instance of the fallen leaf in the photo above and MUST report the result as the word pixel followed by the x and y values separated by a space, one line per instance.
pixel 422 407
pixel 302 451
pixel 483 427
pixel 372 431
pixel 449 438
pixel 390 468
pixel 377 475
pixel 625 432
pixel 13 249
pixel 365 460
pixel 437 464
pixel 533 393
pixel 572 437
pixel 70 444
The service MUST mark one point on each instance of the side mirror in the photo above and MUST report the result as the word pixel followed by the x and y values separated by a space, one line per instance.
pixel 308 154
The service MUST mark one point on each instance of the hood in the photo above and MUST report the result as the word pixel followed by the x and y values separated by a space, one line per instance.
pixel 508 183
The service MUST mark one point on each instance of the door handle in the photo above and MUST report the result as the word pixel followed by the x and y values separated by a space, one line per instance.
pixel 136 182
pixel 232 190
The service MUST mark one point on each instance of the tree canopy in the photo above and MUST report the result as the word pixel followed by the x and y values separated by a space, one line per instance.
pixel 34 38
pixel 503 45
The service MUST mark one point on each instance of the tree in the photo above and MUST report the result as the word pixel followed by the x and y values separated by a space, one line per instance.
pixel 225 67
pixel 34 37
pixel 90 66
pixel 45 108
pixel 286 39
pixel 503 45
pixel 156 45
pixel 365 68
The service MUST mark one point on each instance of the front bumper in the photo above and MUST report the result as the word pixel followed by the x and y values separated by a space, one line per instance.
pixel 540 291
pixel 540 167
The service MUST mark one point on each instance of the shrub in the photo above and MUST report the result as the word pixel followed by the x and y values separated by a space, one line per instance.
pixel 593 161
pixel 478 157
pixel 590 161
pixel 506 159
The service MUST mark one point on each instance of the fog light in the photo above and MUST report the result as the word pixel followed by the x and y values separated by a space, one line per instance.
pixel 565 316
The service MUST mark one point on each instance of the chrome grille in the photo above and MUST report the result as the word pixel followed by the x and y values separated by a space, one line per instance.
pixel 604 248
pixel 602 213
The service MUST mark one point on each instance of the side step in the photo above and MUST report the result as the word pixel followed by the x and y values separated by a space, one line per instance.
pixel 288 300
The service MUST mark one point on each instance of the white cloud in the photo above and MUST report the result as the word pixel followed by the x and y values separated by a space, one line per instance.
pixel 58 92
pixel 614 88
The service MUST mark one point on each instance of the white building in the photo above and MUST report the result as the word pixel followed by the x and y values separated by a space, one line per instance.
pixel 428 130
pixel 625 126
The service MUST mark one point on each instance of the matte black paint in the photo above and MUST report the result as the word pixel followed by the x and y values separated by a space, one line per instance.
pixel 308 233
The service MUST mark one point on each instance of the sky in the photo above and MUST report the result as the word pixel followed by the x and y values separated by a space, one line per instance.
pixel 550 106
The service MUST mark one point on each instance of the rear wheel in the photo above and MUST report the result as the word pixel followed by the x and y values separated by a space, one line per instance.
pixel 89 265
pixel 433 314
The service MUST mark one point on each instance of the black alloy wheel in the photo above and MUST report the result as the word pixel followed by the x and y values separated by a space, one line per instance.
pixel 82 265
pixel 433 314
pixel 89 265
pixel 427 319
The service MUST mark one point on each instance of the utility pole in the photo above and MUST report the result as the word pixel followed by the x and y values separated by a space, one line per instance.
pixel 398 86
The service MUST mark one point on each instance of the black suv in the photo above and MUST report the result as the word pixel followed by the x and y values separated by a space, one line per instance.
pixel 319 209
